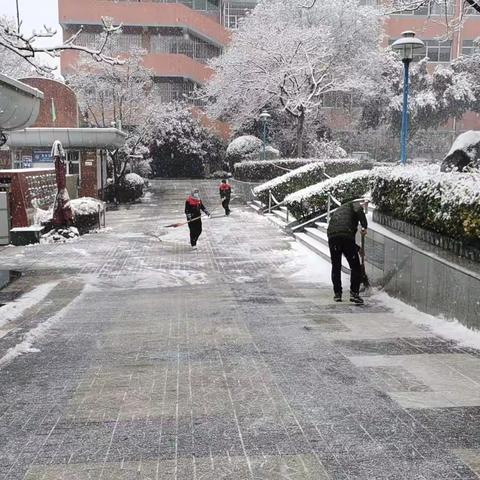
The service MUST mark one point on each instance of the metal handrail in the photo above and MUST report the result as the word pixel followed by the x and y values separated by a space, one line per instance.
pixel 292 227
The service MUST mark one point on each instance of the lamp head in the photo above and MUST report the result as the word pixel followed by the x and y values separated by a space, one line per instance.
pixel 265 116
pixel 406 44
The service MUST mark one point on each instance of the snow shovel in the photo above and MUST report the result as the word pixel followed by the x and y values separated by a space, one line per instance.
pixel 364 278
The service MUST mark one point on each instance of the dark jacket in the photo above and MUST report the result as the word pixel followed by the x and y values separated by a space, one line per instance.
pixel 344 221
pixel 225 191
pixel 194 207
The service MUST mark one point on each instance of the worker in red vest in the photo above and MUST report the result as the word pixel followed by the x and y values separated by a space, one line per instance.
pixel 225 195
pixel 193 210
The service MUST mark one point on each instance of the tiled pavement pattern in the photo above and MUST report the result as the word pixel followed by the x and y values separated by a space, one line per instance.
pixel 167 363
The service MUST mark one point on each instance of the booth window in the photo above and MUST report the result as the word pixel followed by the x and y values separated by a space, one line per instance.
pixel 73 162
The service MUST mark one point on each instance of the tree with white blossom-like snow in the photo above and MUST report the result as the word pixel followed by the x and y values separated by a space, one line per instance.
pixel 288 57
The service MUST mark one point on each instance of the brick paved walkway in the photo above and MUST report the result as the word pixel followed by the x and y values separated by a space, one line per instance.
pixel 159 362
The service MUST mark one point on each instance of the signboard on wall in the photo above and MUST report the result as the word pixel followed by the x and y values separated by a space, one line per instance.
pixel 26 161
pixel 42 156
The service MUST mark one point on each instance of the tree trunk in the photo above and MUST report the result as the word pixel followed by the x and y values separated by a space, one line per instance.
pixel 300 129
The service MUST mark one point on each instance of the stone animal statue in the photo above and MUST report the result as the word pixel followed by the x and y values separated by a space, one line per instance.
pixel 464 154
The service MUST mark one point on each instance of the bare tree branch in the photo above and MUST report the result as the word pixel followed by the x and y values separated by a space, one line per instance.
pixel 24 46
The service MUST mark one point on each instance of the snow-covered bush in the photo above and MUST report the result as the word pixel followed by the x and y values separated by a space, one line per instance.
pixel 130 188
pixel 314 199
pixel 85 213
pixel 464 154
pixel 180 146
pixel 446 203
pixel 324 149
pixel 246 147
pixel 143 168
pixel 260 170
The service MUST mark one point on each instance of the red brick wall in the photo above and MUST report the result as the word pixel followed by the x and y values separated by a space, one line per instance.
pixel 65 100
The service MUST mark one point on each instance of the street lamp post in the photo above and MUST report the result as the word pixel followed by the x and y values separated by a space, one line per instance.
pixel 264 118
pixel 405 46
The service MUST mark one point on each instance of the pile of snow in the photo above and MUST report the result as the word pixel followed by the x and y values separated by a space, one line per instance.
pixel 314 199
pixel 87 205
pixel 446 203
pixel 60 235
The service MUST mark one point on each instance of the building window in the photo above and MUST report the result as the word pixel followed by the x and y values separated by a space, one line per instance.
pixel 469 10
pixel 73 162
pixel 436 7
pixel 123 42
pixel 233 12
pixel 469 47
pixel 201 5
pixel 173 41
pixel 368 3
pixel 435 50
pixel 174 89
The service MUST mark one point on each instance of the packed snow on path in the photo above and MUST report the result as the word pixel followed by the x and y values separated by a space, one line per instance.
pixel 447 329
pixel 32 336
pixel 12 311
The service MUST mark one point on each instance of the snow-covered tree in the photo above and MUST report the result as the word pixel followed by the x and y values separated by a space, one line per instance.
pixel 289 57
pixel 119 95
pixel 180 146
pixel 25 46
pixel 9 60
pixel 434 97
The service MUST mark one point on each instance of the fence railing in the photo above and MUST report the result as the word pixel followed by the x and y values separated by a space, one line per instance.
pixel 294 226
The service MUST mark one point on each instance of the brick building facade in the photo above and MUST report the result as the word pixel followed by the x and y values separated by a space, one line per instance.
pixel 179 36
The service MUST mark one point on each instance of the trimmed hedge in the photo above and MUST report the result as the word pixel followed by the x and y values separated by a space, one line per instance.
pixel 291 181
pixel 313 200
pixel 446 203
pixel 307 175
pixel 262 170
pixel 257 171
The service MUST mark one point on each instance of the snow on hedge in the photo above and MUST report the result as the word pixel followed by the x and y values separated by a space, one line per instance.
pixel 314 199
pixel 446 203
pixel 291 181
pixel 261 170
pixel 307 175
pixel 257 171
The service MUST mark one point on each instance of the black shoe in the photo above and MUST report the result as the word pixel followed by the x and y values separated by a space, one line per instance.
pixel 356 299
pixel 337 298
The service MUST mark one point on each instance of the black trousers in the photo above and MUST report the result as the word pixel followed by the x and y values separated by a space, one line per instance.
pixel 225 205
pixel 345 246
pixel 195 231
